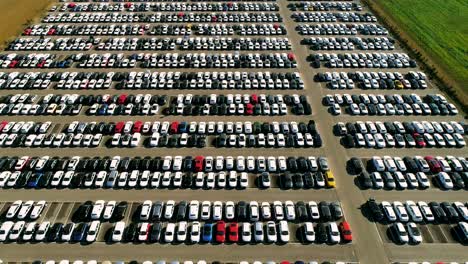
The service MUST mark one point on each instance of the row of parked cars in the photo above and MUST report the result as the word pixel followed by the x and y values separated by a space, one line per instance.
pixel 82 44
pixel 372 80
pixel 134 30
pixel 115 17
pixel 333 17
pixel 396 134
pixel 211 211
pixel 419 212
pixel 176 233
pixel 370 104
pixel 325 6
pixel 362 60
pixel 349 43
pixel 168 6
pixel 341 29
pixel 155 80
pixel 167 163
pixel 176 127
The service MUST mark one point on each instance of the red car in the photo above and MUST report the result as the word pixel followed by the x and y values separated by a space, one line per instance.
pixel 137 127
pixel 433 164
pixel 419 140
pixel 220 232
pixel 233 232
pixel 199 161
pixel 345 231
pixel 122 99
pixel 3 124
pixel 174 128
pixel 249 109
pixel 119 126
pixel 254 99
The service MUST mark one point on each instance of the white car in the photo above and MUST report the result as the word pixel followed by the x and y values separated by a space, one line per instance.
pixel 25 209
pixel 401 211
pixel 314 211
pixel 169 209
pixel 5 229
pixel 266 210
pixel 143 231
pixel 145 210
pixel 16 230
pixel 389 211
pixel 426 211
pixel 333 233
pixel 290 210
pixel 217 210
pixel 400 233
pixel 229 210
pixel 14 208
pixel 109 210
pixel 413 211
pixel 445 181
pixel 278 210
pixel 271 232
pixel 93 230
pixel 29 231
pixel 37 209
pixel 169 233
pixel 283 231
pixel 117 232
pixel 42 231
pixel 195 231
pixel 246 232
pixel 98 207
pixel 309 233
pixel 205 210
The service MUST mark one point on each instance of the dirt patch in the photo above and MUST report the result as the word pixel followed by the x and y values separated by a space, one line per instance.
pixel 16 14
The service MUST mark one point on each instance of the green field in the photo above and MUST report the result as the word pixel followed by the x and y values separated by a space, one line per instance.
pixel 440 28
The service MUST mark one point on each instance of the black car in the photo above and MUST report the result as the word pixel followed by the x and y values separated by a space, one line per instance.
pixel 298 182
pixel 301 211
pixel 84 211
pixel 157 210
pixel 54 232
pixel 375 210
pixel 130 232
pixel 155 233
pixel 241 211
pixel 365 180
pixel 439 213
pixel 308 180
pixel 325 212
pixel 119 211
pixel 285 181
pixel 181 210
pixel 451 212
pixel 321 233
pixel 357 165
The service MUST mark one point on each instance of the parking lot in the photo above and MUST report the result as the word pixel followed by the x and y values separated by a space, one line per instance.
pixel 242 78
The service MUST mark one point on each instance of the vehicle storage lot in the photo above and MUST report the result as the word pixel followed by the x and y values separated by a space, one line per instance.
pixel 366 235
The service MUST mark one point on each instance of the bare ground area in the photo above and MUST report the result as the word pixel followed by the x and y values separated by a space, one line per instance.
pixel 16 14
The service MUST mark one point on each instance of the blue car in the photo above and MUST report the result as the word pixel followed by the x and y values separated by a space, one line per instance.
pixel 79 232
pixel 183 127
pixel 33 181
pixel 103 109
pixel 207 234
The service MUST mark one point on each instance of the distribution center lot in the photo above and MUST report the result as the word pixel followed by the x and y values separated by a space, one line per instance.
pixel 371 241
